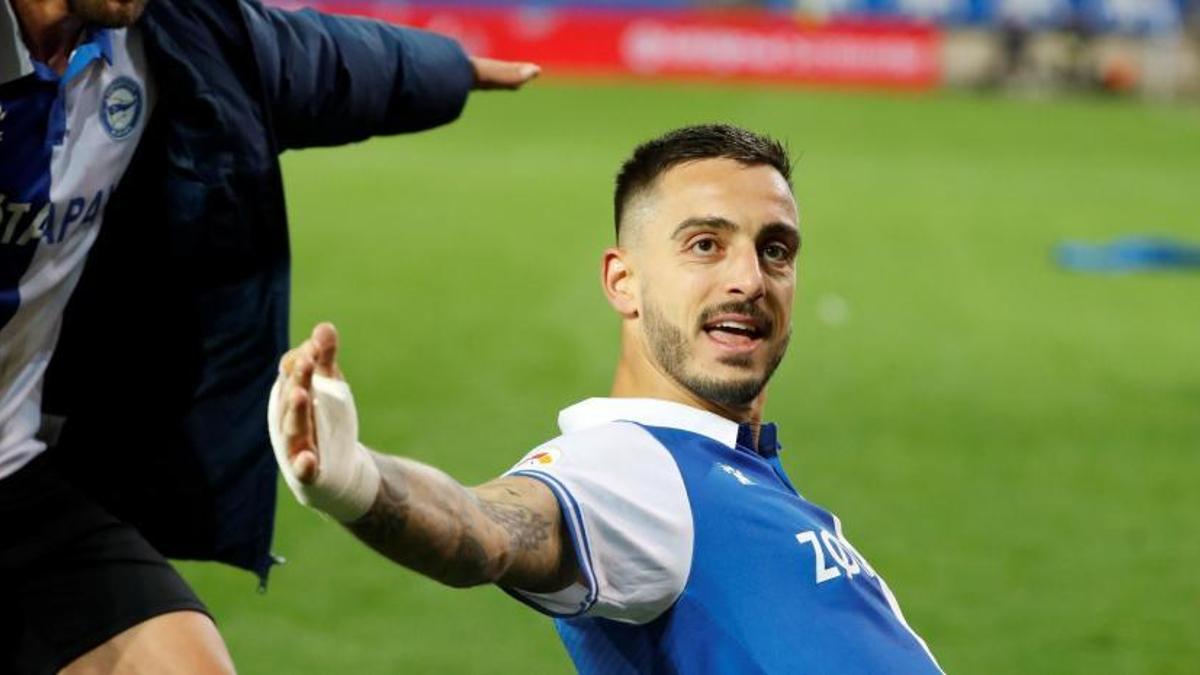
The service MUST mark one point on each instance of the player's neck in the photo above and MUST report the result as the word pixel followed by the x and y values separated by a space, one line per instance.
pixel 637 377
pixel 49 29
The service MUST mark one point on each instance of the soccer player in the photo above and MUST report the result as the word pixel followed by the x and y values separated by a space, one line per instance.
pixel 176 341
pixel 660 529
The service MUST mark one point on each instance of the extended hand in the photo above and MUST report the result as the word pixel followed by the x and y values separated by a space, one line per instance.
pixel 493 74
pixel 318 354
pixel 314 431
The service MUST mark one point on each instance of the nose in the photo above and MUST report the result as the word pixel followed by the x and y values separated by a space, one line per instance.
pixel 746 279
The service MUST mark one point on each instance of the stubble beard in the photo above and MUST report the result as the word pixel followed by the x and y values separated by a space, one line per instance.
pixel 107 13
pixel 670 346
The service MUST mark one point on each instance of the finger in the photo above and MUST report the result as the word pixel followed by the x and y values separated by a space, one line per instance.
pixel 325 342
pixel 302 372
pixel 288 361
pixel 305 465
pixel 292 376
pixel 527 72
pixel 304 349
pixel 309 349
pixel 495 74
pixel 297 422
pixel 298 430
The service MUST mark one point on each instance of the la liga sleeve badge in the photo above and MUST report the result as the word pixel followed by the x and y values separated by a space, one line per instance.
pixel 540 458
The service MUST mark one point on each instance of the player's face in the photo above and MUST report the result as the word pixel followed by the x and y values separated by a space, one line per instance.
pixel 107 13
pixel 718 242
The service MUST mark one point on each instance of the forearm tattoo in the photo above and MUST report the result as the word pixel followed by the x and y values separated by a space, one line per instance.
pixel 426 521
pixel 527 530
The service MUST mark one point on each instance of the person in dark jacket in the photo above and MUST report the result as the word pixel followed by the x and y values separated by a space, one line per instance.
pixel 130 418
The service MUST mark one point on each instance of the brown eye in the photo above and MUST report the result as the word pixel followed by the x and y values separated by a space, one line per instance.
pixel 705 246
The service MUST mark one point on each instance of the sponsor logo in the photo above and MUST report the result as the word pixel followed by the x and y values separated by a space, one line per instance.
pixel 121 107
pixel 24 223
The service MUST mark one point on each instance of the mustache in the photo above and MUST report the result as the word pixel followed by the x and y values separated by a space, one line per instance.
pixel 750 309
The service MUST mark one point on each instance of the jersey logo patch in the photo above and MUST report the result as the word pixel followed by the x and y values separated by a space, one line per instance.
pixel 540 458
pixel 121 107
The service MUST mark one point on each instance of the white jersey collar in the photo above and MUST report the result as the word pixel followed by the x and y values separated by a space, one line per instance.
pixel 653 412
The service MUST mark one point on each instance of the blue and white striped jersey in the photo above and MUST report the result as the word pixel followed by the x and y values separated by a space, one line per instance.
pixel 699 555
pixel 64 144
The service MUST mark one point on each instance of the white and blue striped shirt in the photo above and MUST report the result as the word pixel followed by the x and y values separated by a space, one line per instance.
pixel 65 142
pixel 698 555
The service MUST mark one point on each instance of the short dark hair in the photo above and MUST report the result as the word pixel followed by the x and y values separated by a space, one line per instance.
pixel 703 141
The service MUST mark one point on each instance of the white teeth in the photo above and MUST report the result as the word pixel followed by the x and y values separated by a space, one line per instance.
pixel 734 324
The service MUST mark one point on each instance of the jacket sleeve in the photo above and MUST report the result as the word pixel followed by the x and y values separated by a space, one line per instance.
pixel 335 79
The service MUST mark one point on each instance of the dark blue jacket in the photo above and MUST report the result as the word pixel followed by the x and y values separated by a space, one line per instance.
pixel 172 339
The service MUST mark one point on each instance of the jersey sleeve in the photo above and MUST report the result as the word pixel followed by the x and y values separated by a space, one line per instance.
pixel 626 508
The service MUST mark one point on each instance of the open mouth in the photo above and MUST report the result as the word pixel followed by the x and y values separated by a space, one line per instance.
pixel 740 331
pixel 735 328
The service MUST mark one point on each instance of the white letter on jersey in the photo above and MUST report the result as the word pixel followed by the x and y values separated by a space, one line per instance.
pixel 842 552
pixel 823 573
pixel 845 560
pixel 37 228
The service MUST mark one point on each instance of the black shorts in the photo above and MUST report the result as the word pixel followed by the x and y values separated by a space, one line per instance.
pixel 71 575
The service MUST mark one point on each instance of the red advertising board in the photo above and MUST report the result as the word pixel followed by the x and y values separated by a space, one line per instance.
pixel 752 46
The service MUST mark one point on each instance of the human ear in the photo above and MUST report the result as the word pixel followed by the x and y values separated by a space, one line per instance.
pixel 616 276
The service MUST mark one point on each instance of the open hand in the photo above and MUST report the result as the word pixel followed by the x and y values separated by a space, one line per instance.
pixel 313 427
pixel 316 354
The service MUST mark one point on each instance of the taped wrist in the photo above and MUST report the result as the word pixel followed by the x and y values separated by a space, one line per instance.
pixel 347 479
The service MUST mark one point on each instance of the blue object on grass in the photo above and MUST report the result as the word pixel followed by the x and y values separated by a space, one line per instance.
pixel 1128 254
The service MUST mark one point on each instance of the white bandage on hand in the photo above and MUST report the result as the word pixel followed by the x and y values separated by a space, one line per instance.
pixel 347 478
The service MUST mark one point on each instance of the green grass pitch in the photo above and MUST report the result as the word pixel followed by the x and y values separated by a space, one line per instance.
pixel 1016 448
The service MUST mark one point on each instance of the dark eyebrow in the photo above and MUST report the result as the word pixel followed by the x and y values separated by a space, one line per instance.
pixel 714 222
pixel 785 231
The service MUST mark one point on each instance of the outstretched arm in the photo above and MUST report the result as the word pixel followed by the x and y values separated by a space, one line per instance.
pixel 337 79
pixel 508 531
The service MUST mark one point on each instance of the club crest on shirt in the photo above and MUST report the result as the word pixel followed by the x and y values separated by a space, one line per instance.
pixel 121 107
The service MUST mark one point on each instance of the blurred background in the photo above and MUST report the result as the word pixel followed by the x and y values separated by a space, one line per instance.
pixel 994 378
pixel 1132 47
